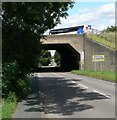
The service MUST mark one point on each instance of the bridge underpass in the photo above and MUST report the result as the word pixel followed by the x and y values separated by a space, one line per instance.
pixel 70 58
pixel 76 52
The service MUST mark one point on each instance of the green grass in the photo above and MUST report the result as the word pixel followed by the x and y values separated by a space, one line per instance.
pixel 107 39
pixel 8 109
pixel 104 75
pixel 0 111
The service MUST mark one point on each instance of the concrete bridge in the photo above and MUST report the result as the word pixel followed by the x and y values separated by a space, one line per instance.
pixel 77 50
pixel 70 47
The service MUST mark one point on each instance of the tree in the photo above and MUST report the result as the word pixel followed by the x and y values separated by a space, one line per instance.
pixel 23 25
pixel 111 29
pixel 57 58
pixel 45 58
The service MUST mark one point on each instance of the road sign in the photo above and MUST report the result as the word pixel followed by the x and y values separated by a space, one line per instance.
pixel 89 27
pixel 97 58
pixel 80 31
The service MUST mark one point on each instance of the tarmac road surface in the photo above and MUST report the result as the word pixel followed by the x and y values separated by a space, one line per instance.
pixel 67 95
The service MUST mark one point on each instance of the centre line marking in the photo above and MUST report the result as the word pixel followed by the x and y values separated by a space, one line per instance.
pixel 101 93
pixel 83 86
pixel 73 82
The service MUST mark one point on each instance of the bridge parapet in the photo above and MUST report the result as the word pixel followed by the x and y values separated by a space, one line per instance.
pixel 76 41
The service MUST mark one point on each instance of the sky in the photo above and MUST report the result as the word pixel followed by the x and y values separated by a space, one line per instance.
pixel 97 14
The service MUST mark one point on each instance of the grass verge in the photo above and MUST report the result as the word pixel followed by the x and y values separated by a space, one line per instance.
pixel 9 104
pixel 0 111
pixel 103 41
pixel 8 109
pixel 104 75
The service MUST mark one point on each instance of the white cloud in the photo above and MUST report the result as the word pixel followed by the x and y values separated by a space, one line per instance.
pixel 107 9
pixel 99 17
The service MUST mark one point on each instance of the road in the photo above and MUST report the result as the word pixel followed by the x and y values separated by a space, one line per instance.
pixel 67 95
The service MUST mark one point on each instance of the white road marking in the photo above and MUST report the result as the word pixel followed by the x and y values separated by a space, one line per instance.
pixel 73 82
pixel 87 87
pixel 83 86
pixel 101 93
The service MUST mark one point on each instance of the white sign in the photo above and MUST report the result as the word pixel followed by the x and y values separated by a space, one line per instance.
pixel 97 58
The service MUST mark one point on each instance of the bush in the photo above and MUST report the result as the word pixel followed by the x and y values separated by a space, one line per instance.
pixel 23 87
pixel 12 83
pixel 9 78
pixel 57 58
pixel 11 97
pixel 44 62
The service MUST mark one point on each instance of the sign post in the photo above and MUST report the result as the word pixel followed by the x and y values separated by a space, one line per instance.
pixel 98 58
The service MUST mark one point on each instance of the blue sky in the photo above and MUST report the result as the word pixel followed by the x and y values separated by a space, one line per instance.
pixel 98 14
pixel 81 5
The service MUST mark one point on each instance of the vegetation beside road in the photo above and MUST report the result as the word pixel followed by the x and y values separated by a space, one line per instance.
pixel 57 58
pixel 104 75
pixel 8 109
pixel 107 39
pixel 45 58
pixel 8 106
pixel 0 111
pixel 14 88
pixel 22 50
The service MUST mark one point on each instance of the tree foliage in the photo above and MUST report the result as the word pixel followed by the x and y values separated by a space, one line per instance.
pixel 111 29
pixel 11 81
pixel 45 58
pixel 57 58
pixel 23 24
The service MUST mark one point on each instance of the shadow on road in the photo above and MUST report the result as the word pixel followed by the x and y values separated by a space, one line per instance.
pixel 60 96
pixel 32 101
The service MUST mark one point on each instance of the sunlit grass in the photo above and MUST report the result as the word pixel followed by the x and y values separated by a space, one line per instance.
pixel 0 111
pixel 8 108
pixel 107 39
pixel 104 75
